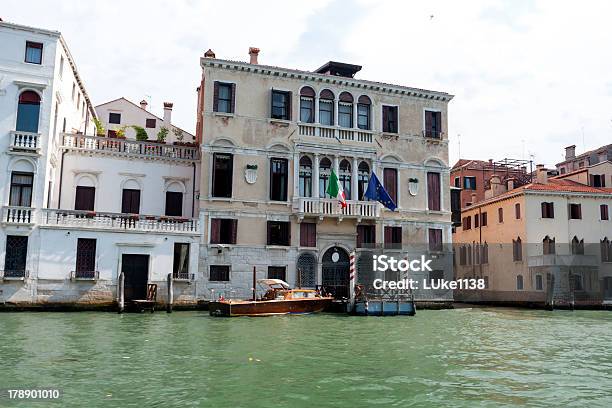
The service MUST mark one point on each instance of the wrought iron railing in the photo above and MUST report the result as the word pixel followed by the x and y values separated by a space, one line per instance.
pixel 14 274
pixel 432 133
pixel 84 275
pixel 184 276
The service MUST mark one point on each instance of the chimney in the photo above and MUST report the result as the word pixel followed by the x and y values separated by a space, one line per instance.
pixel 143 104
pixel 541 174
pixel 168 113
pixel 570 152
pixel 209 54
pixel 496 187
pixel 253 53
pixel 511 182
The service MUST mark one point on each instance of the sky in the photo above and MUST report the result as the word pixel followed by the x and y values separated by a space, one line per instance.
pixel 529 77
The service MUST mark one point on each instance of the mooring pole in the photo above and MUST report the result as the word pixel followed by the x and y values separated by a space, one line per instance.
pixel 121 293
pixel 254 281
pixel 170 294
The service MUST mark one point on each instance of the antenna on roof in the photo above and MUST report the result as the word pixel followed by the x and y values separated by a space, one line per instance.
pixel 459 144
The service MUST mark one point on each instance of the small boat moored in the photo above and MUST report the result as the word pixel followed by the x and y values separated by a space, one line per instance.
pixel 278 299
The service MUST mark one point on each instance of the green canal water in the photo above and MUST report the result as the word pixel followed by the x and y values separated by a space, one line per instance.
pixel 454 358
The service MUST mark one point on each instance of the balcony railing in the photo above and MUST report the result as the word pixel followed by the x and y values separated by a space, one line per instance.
pixel 432 134
pixel 326 207
pixel 185 276
pixel 119 221
pixel 126 147
pixel 84 275
pixel 26 141
pixel 18 215
pixel 335 132
pixel 19 274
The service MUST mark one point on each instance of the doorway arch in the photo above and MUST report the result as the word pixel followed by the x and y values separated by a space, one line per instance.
pixel 335 268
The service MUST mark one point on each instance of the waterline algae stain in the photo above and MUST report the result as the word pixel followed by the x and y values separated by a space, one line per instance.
pixel 459 358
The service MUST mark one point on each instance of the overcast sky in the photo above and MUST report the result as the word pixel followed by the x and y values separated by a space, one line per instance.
pixel 529 77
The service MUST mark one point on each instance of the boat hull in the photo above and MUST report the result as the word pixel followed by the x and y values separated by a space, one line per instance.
pixel 268 307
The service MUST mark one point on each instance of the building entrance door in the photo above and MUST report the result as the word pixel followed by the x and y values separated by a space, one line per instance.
pixel 136 271
pixel 335 279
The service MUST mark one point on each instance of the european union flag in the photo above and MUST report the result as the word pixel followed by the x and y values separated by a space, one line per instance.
pixel 377 192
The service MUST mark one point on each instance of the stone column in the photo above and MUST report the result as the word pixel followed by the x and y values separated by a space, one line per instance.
pixel 296 175
pixel 335 112
pixel 354 183
pixel 316 109
pixel 355 115
pixel 315 176
pixel 336 164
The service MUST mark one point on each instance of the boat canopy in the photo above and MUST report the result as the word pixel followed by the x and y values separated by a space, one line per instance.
pixel 274 283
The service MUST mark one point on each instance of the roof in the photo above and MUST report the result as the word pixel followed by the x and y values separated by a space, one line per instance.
pixel 586 154
pixel 338 68
pixel 144 110
pixel 241 65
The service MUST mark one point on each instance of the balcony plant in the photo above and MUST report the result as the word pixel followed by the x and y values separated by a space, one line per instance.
pixel 162 134
pixel 141 133
pixel 120 133
pixel 100 130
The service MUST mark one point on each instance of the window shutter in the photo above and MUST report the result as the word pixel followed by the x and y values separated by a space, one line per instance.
pixel 569 211
pixel 433 191
pixel 385 118
pixel 215 231
pixel 216 96
pixel 551 210
pixel 234 231
pixel 388 235
pixel 271 101
pixel 438 118
pixel 303 234
pixel 579 207
pixel 544 212
pixel 289 105
pixel 359 236
pixel 269 232
pixel 591 180
pixel 428 123
pixel 233 106
pixel 390 183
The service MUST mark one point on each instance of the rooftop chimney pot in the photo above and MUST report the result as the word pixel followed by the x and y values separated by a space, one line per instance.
pixel 168 113
pixel 143 104
pixel 541 174
pixel 570 152
pixel 209 54
pixel 253 53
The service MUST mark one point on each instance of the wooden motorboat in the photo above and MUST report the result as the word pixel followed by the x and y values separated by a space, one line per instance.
pixel 278 299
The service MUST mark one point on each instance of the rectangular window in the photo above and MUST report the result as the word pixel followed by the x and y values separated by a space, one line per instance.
pixel 433 124
pixel 281 105
pixel 219 273
pixel 223 231
pixel 433 191
pixel 21 189
pixel 16 254
pixel 517 211
pixel 306 109
pixel 277 272
pixel 278 179
pixel 363 116
pixel 130 201
pixel 390 183
pixel 467 223
pixel 33 52
pixel 150 123
pixel 500 215
pixel 180 267
pixel 575 211
pixel 393 237
pixel 222 175
pixel 458 182
pixel 279 233
pixel 603 210
pixel 389 114
pixel 366 236
pixel 483 219
pixel 345 115
pixel 326 112
pixel 85 198
pixel 224 98
pixel 174 204
pixel 435 239
pixel 519 282
pixel 598 180
pixel 86 258
pixel 476 221
pixel 308 234
pixel 548 210
pixel 114 117
pixel 469 183
pixel 539 283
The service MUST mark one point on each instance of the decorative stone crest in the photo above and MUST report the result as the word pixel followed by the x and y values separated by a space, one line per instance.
pixel 250 173
pixel 413 186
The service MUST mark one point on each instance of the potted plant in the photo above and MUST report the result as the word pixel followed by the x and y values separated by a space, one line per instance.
pixel 162 134
pixel 100 130
pixel 141 133
pixel 120 133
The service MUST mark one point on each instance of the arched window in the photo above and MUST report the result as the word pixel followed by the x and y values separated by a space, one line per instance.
pixel 548 247
pixel 28 112
pixel 345 178
pixel 363 177
pixel 606 250
pixel 306 271
pixel 345 110
pixel 326 107
pixel 324 173
pixel 519 282
pixel 363 112
pixel 307 95
pixel 517 250
pixel 577 246
pixel 305 177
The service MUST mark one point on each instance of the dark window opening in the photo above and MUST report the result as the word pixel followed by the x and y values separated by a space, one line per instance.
pixel 150 123
pixel 281 105
pixel 603 210
pixel 174 204
pixel 305 177
pixel 308 234
pixel 306 109
pixel 86 258
pixel 85 198
pixel 222 175
pixel 435 239
pixel 130 201
pixel 279 233
pixel 433 191
pixel 15 256
pixel 114 117
pixel 224 98
pixel 389 114
pixel 33 52
pixel 366 236
pixel 390 183
pixel 469 183
pixel 575 211
pixel 393 237
pixel 277 272
pixel 180 268
pixel 548 210
pixel 433 124
pixel 223 231
pixel 21 189
pixel 278 179
pixel 363 178
pixel 363 116
pixel 28 112
pixel 219 273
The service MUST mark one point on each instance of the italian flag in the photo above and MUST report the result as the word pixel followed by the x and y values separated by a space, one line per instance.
pixel 334 189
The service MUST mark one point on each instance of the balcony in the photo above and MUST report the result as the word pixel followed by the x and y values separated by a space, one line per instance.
pixel 19 274
pixel 24 141
pixel 18 215
pixel 130 148
pixel 562 260
pixel 335 132
pixel 84 275
pixel 328 207
pixel 119 222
